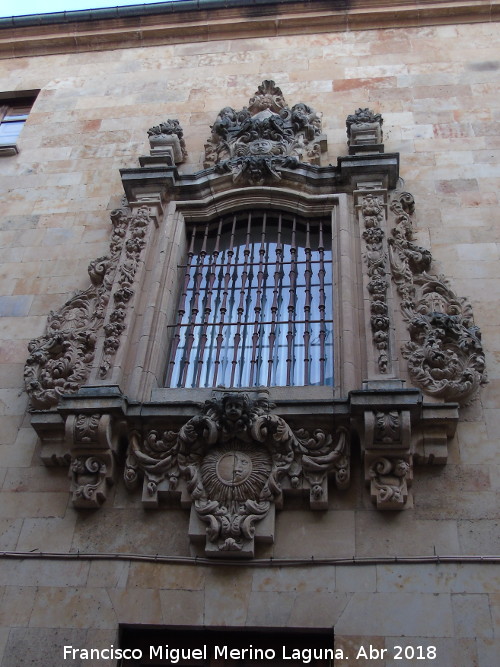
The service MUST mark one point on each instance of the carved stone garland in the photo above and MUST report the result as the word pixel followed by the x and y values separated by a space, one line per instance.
pixel 445 355
pixel 254 144
pixel 234 460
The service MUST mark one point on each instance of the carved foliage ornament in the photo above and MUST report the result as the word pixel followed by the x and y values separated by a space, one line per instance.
pixel 235 458
pixel 445 355
pixel 60 361
pixel 372 210
pixel 254 144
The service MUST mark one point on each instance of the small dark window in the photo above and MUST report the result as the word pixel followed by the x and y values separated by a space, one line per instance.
pixel 197 647
pixel 14 113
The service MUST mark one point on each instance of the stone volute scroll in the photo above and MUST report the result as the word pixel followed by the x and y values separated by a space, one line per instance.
pixel 232 463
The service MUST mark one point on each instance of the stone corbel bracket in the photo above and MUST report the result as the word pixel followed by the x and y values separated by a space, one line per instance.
pixel 92 450
pixel 397 430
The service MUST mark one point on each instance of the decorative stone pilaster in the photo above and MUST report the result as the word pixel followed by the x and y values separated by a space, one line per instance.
pixel 371 207
pixel 92 458
pixel 125 285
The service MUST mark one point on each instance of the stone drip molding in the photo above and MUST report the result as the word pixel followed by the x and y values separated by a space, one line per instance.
pixel 231 463
pixel 444 354
pixel 60 361
pixel 257 142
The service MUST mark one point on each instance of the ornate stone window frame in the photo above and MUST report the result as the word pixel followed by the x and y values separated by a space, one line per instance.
pixel 96 377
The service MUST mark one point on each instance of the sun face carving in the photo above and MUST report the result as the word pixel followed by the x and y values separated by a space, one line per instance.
pixel 235 472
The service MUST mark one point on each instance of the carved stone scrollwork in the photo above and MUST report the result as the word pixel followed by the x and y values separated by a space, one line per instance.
pixel 445 355
pixel 92 458
pixel 60 361
pixel 373 212
pixel 364 132
pixel 232 463
pixel 390 478
pixel 254 144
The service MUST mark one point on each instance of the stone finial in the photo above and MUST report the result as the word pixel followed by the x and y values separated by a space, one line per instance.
pixel 364 132
pixel 167 138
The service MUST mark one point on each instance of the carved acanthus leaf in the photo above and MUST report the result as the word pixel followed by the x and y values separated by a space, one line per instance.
pixel 445 355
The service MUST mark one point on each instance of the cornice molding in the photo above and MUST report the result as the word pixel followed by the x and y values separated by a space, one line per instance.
pixel 98 30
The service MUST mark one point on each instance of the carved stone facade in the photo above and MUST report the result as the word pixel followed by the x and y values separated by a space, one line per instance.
pixel 233 460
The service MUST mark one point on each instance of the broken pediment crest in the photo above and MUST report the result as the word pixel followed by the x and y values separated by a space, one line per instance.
pixel 255 143
pixel 234 459
pixel 444 354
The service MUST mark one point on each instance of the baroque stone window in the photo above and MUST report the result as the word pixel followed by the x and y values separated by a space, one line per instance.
pixel 263 244
pixel 256 303
pixel 14 112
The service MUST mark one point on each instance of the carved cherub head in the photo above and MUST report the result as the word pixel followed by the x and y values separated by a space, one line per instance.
pixel 233 406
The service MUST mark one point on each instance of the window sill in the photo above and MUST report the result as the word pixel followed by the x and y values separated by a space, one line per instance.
pixel 6 150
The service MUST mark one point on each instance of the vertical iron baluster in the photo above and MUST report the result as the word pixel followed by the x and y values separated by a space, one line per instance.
pixel 291 306
pixel 258 302
pixel 274 307
pixel 307 305
pixel 244 276
pixel 181 310
pixel 223 307
pixel 208 303
pixel 190 337
pixel 322 304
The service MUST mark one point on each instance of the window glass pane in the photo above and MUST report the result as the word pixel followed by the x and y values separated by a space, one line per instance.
pixel 9 132
pixel 256 306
